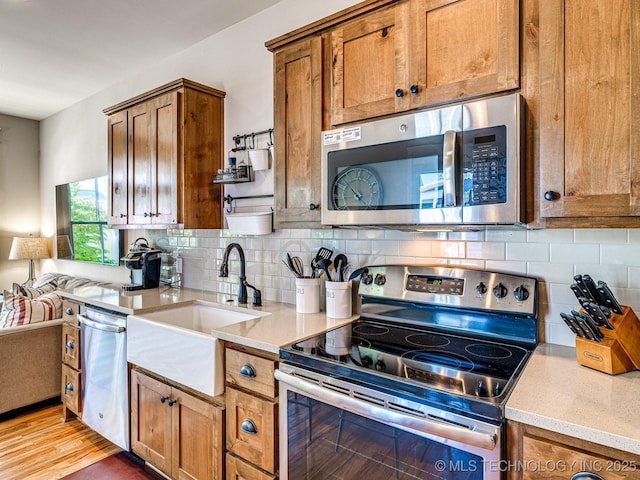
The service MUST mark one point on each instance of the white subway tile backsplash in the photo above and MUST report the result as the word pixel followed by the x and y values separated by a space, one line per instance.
pixel 528 252
pixel 448 249
pixel 506 235
pixel 550 236
pixel 551 272
pixel 600 235
pixel 486 250
pixel 621 254
pixel 574 253
pixel 553 256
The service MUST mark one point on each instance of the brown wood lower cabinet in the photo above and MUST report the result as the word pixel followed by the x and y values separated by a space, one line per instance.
pixel 176 432
pixel 252 414
pixel 537 454
pixel 71 362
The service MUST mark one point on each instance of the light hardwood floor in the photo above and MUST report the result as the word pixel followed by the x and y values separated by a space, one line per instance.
pixel 38 446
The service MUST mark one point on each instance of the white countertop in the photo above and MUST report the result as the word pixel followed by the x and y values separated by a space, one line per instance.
pixel 558 394
pixel 282 325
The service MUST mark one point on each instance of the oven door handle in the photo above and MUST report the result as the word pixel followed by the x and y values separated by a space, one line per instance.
pixel 449 168
pixel 105 327
pixel 390 417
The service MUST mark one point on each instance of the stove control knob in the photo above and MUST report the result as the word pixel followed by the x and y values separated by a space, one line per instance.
pixel 380 366
pixel 367 279
pixel 481 289
pixel 521 293
pixel 380 279
pixel 500 291
pixel 366 362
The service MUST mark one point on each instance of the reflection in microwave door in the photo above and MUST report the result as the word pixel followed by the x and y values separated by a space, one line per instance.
pixel 356 188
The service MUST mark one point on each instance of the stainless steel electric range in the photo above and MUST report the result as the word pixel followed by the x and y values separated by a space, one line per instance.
pixel 415 388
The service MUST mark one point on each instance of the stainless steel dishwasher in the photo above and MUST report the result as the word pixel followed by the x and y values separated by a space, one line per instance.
pixel 105 392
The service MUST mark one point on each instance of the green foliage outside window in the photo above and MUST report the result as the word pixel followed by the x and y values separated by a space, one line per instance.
pixel 91 239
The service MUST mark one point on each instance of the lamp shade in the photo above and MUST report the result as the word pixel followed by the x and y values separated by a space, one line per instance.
pixel 29 248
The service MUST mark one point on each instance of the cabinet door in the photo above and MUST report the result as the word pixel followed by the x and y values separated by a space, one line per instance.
pixel 198 445
pixel 117 165
pixel 297 128
pixel 71 346
pixel 238 469
pixel 252 428
pixel 589 120
pixel 462 48
pixel 568 461
pixel 369 65
pixel 140 165
pixel 151 421
pixel 164 153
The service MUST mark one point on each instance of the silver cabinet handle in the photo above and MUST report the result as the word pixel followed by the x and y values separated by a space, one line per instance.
pixel 69 387
pixel 248 426
pixel 69 345
pixel 100 326
pixel 449 168
pixel 247 370
pixel 389 417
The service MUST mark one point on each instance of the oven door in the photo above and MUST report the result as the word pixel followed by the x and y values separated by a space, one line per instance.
pixel 333 429
pixel 400 170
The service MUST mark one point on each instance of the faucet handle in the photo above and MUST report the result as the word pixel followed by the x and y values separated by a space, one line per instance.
pixel 257 298
pixel 257 294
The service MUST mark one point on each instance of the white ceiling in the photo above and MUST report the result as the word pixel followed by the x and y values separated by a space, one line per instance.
pixel 54 53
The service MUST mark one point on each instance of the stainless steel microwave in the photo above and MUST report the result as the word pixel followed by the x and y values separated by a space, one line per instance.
pixel 454 165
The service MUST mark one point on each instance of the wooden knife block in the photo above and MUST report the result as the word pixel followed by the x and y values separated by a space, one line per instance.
pixel 619 350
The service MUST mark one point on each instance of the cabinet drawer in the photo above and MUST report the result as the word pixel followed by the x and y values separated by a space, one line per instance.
pixel 69 311
pixel 71 385
pixel 238 469
pixel 251 372
pixel 71 346
pixel 252 429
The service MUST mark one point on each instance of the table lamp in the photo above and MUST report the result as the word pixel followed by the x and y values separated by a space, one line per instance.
pixel 29 248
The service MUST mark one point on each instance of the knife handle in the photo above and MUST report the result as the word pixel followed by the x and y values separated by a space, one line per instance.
pixel 608 297
pixel 573 326
pixel 591 324
pixel 576 290
pixel 600 316
pixel 568 322
pixel 583 288
pixel 590 285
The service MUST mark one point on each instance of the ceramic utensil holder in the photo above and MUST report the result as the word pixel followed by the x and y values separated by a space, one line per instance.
pixel 619 350
pixel 338 299
pixel 307 295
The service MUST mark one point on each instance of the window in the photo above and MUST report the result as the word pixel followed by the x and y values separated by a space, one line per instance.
pixel 83 234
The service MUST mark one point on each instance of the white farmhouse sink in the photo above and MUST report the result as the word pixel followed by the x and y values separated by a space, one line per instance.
pixel 177 343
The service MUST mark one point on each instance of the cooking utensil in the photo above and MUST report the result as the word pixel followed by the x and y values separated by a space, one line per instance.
pixel 583 288
pixel 323 253
pixel 608 298
pixel 600 316
pixel 592 325
pixel 590 285
pixel 573 325
pixel 324 265
pixel 587 325
pixel 340 264
pixel 298 266
pixel 358 273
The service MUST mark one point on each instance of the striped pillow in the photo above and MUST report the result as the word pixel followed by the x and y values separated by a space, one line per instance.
pixel 19 310
pixel 31 292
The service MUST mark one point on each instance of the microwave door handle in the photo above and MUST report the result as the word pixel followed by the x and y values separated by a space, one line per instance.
pixel 449 168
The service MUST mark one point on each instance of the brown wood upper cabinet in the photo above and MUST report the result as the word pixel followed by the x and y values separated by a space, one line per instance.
pixel 589 112
pixel 422 52
pixel 163 147
pixel 298 125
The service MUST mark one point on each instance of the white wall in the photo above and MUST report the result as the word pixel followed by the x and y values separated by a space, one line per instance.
pixel 73 144
pixel 19 173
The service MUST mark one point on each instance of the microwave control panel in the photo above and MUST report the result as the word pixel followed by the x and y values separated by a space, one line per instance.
pixel 485 166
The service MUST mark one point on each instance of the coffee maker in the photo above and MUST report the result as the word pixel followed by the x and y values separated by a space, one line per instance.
pixel 144 263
